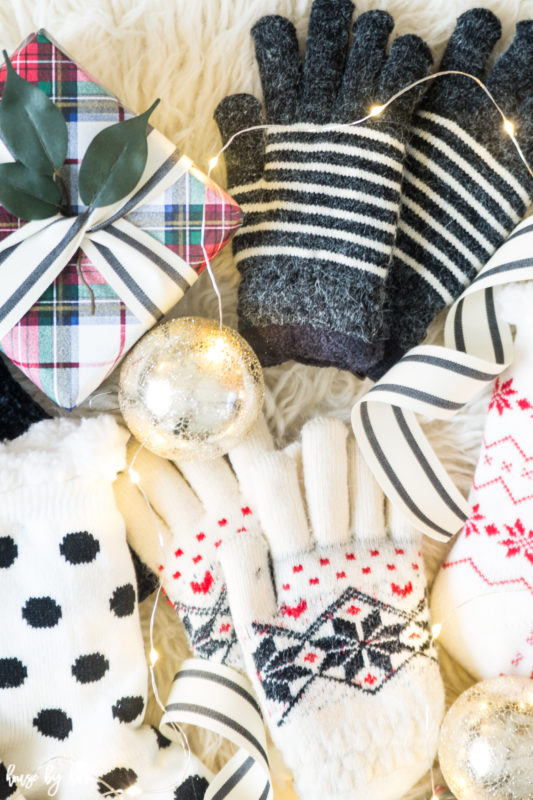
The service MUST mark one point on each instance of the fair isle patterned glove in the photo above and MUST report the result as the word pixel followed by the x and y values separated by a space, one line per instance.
pixel 465 186
pixel 196 504
pixel 73 673
pixel 334 624
pixel 483 594
pixel 321 199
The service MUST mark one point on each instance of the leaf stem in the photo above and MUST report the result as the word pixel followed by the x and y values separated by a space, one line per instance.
pixel 63 186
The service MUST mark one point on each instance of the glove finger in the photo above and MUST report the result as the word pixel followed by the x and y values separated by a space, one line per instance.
pixel 280 67
pixel 244 456
pixel 147 533
pixel 246 567
pixel 400 529
pixel 325 466
pixel 280 505
pixel 471 43
pixel 245 155
pixel 371 33
pixel 325 58
pixel 214 483
pixel 367 501
pixel 169 495
pixel 409 60
pixel 511 79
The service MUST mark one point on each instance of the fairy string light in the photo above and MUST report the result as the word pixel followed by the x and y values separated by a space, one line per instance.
pixel 135 478
pixel 375 111
pixel 508 126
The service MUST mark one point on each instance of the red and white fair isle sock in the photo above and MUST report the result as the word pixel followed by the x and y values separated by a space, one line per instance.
pixel 334 624
pixel 483 594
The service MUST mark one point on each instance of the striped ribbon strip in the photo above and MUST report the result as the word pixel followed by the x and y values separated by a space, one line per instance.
pixel 34 255
pixel 437 382
pixel 220 699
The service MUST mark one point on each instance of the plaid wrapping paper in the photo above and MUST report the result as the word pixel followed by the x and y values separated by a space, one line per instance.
pixel 59 344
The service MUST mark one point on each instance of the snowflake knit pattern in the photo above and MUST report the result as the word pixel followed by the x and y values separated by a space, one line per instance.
pixel 483 594
pixel 194 507
pixel 321 199
pixel 339 647
pixel 73 673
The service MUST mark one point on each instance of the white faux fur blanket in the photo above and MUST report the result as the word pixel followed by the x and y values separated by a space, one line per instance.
pixel 191 53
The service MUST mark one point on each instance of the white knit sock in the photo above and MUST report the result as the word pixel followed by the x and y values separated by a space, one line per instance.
pixel 73 674
pixel 339 648
pixel 483 594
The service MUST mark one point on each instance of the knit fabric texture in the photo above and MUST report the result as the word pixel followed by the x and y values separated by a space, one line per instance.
pixel 320 198
pixel 334 624
pixel 73 673
pixel 17 409
pixel 465 186
pixel 17 412
pixel 177 517
pixel 483 594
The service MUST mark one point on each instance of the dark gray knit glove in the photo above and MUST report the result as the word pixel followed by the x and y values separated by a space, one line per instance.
pixel 320 199
pixel 17 409
pixel 465 186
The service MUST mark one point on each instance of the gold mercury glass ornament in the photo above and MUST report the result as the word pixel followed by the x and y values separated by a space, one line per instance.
pixel 191 389
pixel 486 741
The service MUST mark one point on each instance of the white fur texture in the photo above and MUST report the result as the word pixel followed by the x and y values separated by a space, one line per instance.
pixel 191 53
pixel 63 449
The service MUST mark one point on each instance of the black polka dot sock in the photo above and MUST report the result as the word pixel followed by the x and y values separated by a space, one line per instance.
pixel 73 672
pixel 320 199
pixel 17 412
pixel 465 186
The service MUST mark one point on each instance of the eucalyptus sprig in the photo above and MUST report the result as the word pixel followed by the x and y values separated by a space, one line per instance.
pixel 35 132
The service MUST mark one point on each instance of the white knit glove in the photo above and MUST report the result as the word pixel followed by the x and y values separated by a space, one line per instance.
pixel 188 509
pixel 73 673
pixel 483 594
pixel 334 625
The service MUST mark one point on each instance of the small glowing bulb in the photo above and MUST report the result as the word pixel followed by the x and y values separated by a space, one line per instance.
pixel 133 791
pixel 436 629
pixel 217 351
pixel 508 127
pixel 134 476
pixel 154 655
pixel 213 162
pixel 376 110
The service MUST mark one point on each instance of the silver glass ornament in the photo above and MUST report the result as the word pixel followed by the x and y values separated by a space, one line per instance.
pixel 191 389
pixel 486 741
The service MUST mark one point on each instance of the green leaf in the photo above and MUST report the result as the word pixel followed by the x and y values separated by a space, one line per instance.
pixel 32 127
pixel 27 194
pixel 114 161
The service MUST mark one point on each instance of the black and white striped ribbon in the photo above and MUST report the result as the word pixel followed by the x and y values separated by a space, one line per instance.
pixel 220 699
pixel 437 382
pixel 155 279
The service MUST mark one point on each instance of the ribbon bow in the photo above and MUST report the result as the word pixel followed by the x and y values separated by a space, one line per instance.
pixel 32 257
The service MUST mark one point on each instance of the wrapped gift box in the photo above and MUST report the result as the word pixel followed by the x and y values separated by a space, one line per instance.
pixel 63 339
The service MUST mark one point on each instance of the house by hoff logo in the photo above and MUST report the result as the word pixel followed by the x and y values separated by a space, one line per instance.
pixel 49 777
